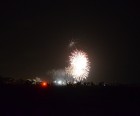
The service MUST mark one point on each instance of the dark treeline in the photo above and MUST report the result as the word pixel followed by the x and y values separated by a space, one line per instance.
pixel 80 99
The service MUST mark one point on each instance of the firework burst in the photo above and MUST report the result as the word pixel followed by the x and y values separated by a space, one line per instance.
pixel 79 65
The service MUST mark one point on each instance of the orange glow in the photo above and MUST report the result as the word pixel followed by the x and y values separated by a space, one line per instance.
pixel 44 84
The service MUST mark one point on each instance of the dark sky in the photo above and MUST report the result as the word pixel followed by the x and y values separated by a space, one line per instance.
pixel 34 37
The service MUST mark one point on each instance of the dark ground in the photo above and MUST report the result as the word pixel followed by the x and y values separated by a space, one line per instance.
pixel 73 101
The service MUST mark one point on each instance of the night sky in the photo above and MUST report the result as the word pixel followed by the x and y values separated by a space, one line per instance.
pixel 34 37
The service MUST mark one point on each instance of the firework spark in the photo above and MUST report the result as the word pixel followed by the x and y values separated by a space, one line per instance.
pixel 79 65
pixel 71 44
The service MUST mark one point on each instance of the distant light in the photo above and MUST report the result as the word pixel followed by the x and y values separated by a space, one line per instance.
pixel 59 82
pixel 44 84
pixel 54 81
pixel 74 82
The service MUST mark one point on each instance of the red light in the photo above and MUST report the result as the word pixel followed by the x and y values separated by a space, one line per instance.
pixel 44 84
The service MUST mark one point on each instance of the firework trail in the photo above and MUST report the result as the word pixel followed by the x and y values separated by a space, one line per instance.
pixel 71 44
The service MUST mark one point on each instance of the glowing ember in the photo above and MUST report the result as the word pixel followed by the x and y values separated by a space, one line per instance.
pixel 44 84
